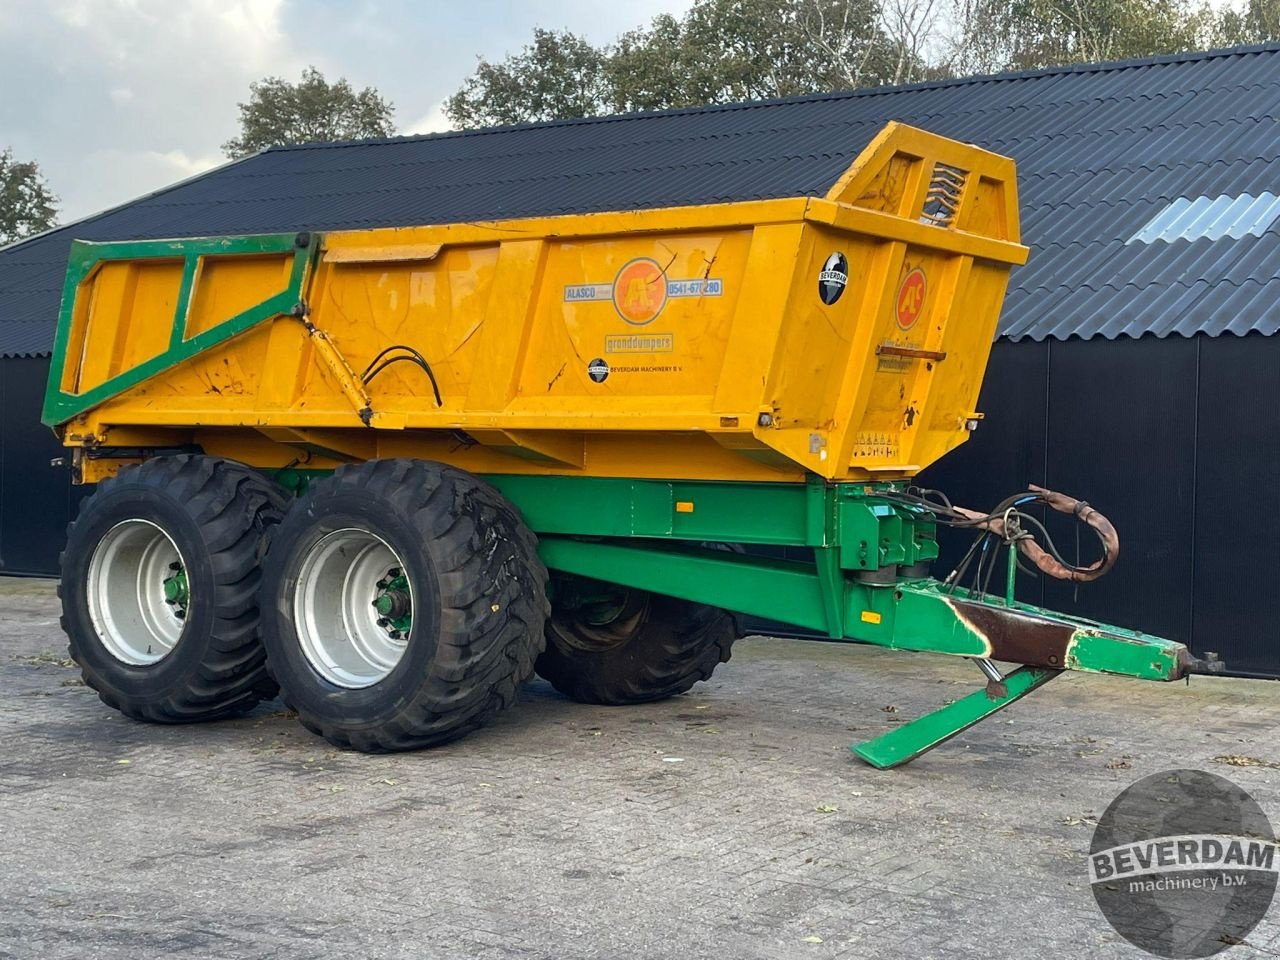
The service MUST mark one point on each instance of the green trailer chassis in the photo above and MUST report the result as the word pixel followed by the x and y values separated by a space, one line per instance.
pixel 867 581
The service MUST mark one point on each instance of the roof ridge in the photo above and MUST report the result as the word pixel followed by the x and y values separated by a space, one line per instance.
pixel 1106 66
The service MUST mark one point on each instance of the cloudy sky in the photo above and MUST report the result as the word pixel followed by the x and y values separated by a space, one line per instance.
pixel 114 98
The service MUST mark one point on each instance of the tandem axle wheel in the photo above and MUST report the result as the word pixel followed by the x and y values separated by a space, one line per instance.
pixel 406 604
pixel 159 588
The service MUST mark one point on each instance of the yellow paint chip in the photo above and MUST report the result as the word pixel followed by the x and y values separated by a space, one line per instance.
pixel 684 506
pixel 870 616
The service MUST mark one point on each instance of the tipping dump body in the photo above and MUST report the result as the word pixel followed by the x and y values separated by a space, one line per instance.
pixel 842 336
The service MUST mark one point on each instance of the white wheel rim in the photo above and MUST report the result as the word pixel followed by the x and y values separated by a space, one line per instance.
pixel 126 593
pixel 343 635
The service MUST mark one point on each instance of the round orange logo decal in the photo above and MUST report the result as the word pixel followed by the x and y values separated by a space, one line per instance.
pixel 640 291
pixel 911 298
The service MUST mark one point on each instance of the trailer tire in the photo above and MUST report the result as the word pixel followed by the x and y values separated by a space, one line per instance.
pixel 464 594
pixel 657 647
pixel 155 659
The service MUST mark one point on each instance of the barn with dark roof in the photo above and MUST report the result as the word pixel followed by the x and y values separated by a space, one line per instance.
pixel 1138 363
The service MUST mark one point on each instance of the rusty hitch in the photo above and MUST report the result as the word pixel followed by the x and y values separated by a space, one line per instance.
pixel 1209 664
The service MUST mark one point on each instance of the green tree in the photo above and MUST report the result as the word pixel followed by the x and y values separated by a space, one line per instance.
pixel 648 69
pixel 312 110
pixel 558 75
pixel 1029 34
pixel 27 206
pixel 719 51
pixel 724 51
pixel 1258 22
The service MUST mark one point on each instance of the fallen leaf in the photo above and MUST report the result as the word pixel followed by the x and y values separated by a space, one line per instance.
pixel 826 808
pixel 124 761
pixel 812 940
pixel 1240 760
pixel 53 659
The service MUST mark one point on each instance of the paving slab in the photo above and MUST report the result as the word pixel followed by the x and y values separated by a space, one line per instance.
pixel 729 822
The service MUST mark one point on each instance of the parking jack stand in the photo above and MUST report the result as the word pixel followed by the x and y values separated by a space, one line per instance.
pixel 921 735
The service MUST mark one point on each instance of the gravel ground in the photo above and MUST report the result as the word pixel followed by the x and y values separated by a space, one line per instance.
pixel 730 822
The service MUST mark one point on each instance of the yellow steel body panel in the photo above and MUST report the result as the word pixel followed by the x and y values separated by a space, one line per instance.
pixel 678 343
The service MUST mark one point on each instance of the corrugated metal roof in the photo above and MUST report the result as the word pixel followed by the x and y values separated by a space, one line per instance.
pixel 1103 151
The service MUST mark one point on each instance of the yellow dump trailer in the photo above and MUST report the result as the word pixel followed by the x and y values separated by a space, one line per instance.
pixel 393 470
pixel 842 336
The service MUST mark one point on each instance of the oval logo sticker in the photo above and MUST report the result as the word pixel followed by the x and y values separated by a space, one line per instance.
pixel 833 278
pixel 640 291
pixel 911 298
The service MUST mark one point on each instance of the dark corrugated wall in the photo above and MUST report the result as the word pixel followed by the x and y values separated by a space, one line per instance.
pixel 1236 565
pixel 36 500
pixel 1178 442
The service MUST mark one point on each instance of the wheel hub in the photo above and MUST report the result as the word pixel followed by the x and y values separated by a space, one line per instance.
pixel 137 592
pixel 353 608
pixel 175 590
pixel 394 604
pixel 596 616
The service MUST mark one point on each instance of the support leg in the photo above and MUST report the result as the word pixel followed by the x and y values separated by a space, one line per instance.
pixel 924 733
